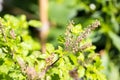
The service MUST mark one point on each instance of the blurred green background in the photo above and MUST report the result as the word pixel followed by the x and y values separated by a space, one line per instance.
pixel 106 38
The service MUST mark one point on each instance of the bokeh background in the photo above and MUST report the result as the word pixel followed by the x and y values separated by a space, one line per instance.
pixel 60 12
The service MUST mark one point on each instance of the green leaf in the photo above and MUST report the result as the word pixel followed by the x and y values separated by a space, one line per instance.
pixel 73 58
pixel 115 39
pixel 59 51
pixel 81 71
pixel 77 29
pixel 81 57
pixel 50 48
pixel 61 39
pixel 35 23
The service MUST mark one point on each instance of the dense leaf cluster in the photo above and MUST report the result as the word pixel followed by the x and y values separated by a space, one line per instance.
pixel 20 58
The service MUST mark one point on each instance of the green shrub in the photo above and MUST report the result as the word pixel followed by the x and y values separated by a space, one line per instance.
pixel 20 58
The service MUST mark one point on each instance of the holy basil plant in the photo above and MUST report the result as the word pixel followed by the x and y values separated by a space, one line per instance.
pixel 21 59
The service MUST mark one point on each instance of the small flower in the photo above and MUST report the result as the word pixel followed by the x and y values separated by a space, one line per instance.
pixel 85 46
pixel 31 73
pixel 12 33
pixel 49 60
pixel 21 64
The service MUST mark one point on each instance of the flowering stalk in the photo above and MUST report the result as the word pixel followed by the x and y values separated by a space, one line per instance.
pixel 72 44
pixel 88 30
